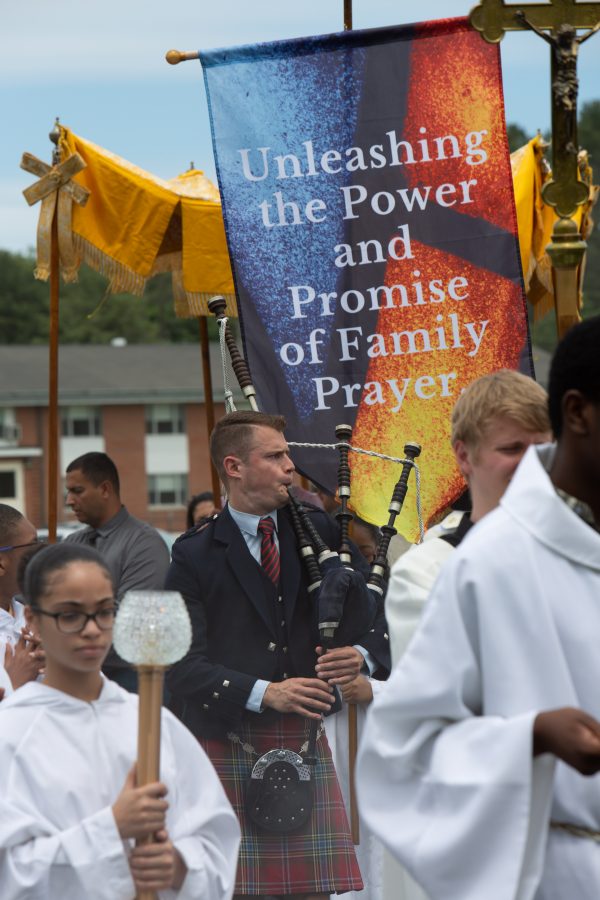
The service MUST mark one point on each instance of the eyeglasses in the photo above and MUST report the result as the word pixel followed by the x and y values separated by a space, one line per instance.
pixel 74 622
pixel 16 546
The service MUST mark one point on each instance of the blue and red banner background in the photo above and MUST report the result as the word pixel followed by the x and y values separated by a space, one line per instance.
pixel 368 206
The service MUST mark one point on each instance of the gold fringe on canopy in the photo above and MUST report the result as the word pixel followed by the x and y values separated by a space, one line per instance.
pixel 136 225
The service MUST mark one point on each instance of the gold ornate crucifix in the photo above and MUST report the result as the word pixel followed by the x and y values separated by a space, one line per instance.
pixel 557 23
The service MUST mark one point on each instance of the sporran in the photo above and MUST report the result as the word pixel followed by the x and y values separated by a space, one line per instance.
pixel 279 796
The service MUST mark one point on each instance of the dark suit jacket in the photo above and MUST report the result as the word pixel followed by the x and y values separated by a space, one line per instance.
pixel 237 632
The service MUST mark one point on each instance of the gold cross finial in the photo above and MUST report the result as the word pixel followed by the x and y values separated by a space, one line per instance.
pixel 52 178
pixel 57 191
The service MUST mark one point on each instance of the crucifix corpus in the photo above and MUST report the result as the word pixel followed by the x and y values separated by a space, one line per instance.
pixel 557 23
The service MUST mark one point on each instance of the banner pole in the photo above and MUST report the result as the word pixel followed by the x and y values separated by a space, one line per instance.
pixel 352 709
pixel 347 15
pixel 52 511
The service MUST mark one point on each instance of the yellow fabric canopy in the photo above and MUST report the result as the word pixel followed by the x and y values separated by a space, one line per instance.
pixel 135 225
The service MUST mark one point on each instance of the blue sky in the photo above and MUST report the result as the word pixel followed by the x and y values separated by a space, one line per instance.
pixel 100 66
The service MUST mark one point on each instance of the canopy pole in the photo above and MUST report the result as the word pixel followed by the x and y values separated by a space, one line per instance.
pixel 52 510
pixel 208 403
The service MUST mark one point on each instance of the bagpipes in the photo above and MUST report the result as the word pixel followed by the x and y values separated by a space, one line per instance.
pixel 332 583
pixel 346 603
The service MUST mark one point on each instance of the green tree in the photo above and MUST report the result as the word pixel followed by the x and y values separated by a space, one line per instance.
pixel 23 302
pixel 517 136
pixel 88 315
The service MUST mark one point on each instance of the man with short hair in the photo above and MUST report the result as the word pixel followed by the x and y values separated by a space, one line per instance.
pixel 494 421
pixel 18 653
pixel 134 552
pixel 479 766
pixel 248 684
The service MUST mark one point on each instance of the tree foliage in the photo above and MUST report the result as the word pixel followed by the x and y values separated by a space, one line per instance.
pixel 517 137
pixel 88 315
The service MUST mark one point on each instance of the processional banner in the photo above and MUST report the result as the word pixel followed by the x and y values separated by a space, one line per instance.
pixel 369 212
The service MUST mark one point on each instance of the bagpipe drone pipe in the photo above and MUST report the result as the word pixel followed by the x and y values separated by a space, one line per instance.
pixel 346 603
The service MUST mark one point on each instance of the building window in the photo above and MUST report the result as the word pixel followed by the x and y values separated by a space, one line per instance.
pixel 9 430
pixel 165 418
pixel 81 421
pixel 167 490
pixel 8 484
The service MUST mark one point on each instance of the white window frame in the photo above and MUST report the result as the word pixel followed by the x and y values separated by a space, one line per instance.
pixel 90 414
pixel 165 418
pixel 157 486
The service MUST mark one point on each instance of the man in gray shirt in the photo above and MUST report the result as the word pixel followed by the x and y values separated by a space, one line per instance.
pixel 135 553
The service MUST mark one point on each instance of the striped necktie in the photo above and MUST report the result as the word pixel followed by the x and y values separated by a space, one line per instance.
pixel 269 554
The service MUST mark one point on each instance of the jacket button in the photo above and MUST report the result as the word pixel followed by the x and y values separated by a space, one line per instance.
pixel 272 646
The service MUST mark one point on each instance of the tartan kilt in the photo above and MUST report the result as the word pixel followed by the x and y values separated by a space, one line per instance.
pixel 318 858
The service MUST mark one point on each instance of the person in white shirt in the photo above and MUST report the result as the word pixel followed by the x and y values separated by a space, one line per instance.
pixel 19 661
pixel 70 809
pixel 479 767
pixel 494 421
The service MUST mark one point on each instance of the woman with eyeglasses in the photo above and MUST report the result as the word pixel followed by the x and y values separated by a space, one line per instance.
pixel 70 811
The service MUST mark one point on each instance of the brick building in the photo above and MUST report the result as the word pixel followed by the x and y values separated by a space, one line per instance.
pixel 141 404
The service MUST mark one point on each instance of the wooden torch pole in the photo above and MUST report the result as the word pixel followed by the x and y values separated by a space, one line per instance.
pixel 150 689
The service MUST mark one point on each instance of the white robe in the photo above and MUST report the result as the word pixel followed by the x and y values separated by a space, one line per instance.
pixel 446 775
pixel 369 851
pixel 383 877
pixel 63 763
pixel 5 682
pixel 411 580
pixel 10 632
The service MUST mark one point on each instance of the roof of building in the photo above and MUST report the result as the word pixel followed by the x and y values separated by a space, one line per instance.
pixel 90 374
pixel 101 374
